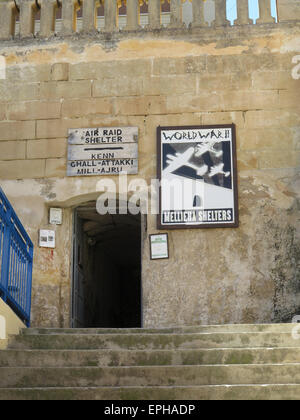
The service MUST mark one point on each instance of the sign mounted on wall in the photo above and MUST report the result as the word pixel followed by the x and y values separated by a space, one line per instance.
pixel 159 246
pixel 47 238
pixel 55 216
pixel 102 151
pixel 198 180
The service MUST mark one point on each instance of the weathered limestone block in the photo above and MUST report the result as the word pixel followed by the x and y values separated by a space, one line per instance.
pixel 55 168
pixel 13 91
pixel 60 72
pixel 28 74
pixel 221 15
pixel 28 9
pixel 243 13
pixel 265 15
pixel 33 110
pixel 75 108
pixel 274 159
pixel 10 150
pixel 60 90
pixel 69 8
pixel 198 14
pixel 18 169
pixel 48 15
pixel 8 12
pixel 111 69
pixel 122 86
pixel 288 10
pixel 46 149
pixel 17 130
pixel 2 111
pixel 54 129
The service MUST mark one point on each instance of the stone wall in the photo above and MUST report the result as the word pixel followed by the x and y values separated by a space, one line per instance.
pixel 247 75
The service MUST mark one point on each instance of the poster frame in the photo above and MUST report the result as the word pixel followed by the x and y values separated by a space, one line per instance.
pixel 150 243
pixel 235 223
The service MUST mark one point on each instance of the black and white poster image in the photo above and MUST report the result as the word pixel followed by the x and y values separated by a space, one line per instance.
pixel 197 173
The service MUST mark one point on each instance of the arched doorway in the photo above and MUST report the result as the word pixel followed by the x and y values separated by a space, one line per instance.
pixel 106 290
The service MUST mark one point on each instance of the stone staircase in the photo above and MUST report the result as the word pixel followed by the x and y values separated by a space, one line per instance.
pixel 228 362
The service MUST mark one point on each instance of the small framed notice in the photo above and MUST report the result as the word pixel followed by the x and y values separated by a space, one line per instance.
pixel 159 246
pixel 55 216
pixel 47 239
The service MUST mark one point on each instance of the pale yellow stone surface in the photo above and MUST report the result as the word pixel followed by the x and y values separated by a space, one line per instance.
pixel 19 169
pixel 36 110
pixel 42 149
pixel 11 150
pixel 61 90
pixel 121 86
pixel 17 90
pixel 47 129
pixel 27 73
pixel 79 107
pixel 60 72
pixel 17 130
pixel 56 167
pixel 2 111
pixel 248 274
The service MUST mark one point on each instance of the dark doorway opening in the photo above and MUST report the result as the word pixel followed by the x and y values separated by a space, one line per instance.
pixel 106 270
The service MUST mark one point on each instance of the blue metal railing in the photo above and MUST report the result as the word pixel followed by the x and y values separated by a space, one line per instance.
pixel 16 258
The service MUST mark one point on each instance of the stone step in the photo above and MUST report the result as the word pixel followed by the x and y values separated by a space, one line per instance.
pixel 150 376
pixel 88 358
pixel 242 328
pixel 221 392
pixel 153 341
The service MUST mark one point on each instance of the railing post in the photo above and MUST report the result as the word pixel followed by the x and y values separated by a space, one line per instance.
pixel 221 15
pixel 133 15
pixel 48 15
pixel 243 13
pixel 6 255
pixel 89 15
pixel 176 14
pixel 8 13
pixel 154 10
pixel 29 286
pixel 69 8
pixel 111 14
pixel 17 260
pixel 198 14
pixel 265 13
pixel 27 15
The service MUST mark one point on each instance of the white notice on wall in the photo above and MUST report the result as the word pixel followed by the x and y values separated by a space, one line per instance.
pixel 159 247
pixel 47 239
pixel 102 151
pixel 55 216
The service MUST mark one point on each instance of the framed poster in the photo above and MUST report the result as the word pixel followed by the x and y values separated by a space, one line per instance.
pixel 159 246
pixel 196 168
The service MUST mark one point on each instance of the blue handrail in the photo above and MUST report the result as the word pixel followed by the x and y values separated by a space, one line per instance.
pixel 16 259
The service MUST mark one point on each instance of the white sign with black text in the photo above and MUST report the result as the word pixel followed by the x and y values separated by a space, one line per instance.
pixel 47 238
pixel 102 151
pixel 159 246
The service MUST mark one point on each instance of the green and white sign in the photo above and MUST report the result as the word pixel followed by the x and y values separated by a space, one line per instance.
pixel 159 246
